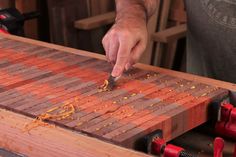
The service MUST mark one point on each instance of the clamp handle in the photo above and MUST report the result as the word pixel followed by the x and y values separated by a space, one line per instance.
pixel 218 147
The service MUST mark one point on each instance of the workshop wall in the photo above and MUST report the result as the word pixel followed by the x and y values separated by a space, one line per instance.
pixel 56 25
pixel 63 14
pixel 36 28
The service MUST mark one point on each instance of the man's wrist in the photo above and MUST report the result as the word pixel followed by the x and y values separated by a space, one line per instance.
pixel 136 8
pixel 131 9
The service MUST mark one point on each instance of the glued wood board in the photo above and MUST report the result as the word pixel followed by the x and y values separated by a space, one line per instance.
pixel 35 79
pixel 53 141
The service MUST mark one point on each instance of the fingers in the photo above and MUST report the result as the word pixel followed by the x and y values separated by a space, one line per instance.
pixel 106 43
pixel 124 43
pixel 113 49
pixel 135 54
pixel 111 46
pixel 122 59
pixel 122 54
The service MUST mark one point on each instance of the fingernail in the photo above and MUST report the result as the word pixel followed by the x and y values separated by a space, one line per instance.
pixel 127 66
pixel 115 73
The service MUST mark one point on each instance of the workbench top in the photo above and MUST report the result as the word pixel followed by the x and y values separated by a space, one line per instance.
pixel 60 86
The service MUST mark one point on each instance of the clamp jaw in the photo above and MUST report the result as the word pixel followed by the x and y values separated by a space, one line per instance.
pixel 156 145
pixel 159 147
pixel 226 125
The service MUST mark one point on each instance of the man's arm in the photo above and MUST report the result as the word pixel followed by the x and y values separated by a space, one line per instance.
pixel 143 8
pixel 127 39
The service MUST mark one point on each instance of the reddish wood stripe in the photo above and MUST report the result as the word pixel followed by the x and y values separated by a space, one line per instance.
pixel 35 79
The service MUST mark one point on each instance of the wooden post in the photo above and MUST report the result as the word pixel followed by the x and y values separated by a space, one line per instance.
pixel 152 26
pixel 157 57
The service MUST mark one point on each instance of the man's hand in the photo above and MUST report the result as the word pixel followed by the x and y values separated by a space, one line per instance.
pixel 127 39
pixel 125 43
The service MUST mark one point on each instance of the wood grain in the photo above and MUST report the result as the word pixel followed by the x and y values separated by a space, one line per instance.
pixel 7 3
pixel 62 15
pixel 53 141
pixel 218 83
pixel 31 26
pixel 38 78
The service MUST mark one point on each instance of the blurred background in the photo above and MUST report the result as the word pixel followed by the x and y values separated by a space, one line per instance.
pixel 81 24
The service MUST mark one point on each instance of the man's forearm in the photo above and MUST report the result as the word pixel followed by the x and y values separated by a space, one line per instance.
pixel 143 9
pixel 151 6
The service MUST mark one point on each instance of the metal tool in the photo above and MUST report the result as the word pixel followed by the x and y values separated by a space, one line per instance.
pixel 112 82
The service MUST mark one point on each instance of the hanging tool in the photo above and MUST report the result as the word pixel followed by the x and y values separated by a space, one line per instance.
pixel 112 82
pixel 12 21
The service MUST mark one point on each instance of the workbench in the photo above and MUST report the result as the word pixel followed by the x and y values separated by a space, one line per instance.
pixel 51 104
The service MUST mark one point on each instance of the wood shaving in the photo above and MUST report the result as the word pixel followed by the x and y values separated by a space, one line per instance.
pixel 65 111
pixel 80 123
pixel 134 94
pixel 104 86
pixel 125 98
pixel 193 87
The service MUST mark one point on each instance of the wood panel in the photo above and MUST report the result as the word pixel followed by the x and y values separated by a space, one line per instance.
pixel 40 79
pixel 7 3
pixel 97 8
pixel 53 141
pixel 62 15
pixel 31 27
pixel 218 83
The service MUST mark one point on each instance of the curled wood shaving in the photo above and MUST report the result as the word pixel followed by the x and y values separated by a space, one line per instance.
pixel 134 94
pixel 65 111
pixel 104 86
pixel 125 98
pixel 34 124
